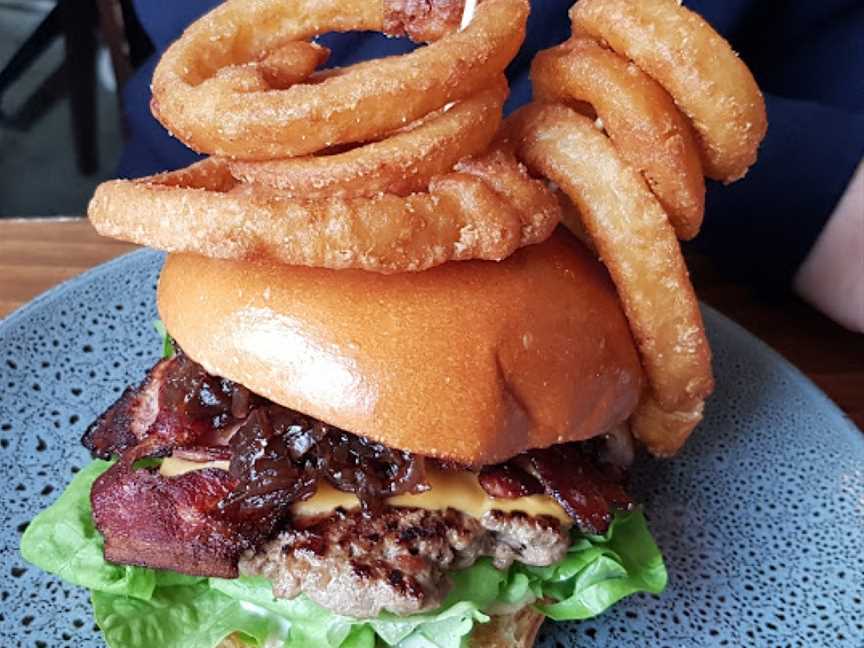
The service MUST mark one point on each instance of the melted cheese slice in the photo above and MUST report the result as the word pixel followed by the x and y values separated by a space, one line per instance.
pixel 459 490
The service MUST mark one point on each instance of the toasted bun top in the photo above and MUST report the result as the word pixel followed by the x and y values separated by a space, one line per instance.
pixel 473 361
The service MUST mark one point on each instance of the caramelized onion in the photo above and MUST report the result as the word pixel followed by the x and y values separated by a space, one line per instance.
pixel 278 455
pixel 269 472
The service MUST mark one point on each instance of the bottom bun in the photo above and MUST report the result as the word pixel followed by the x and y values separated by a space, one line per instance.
pixel 517 630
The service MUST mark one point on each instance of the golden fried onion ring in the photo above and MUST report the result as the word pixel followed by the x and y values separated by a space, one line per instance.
pixel 664 433
pixel 205 210
pixel 283 67
pixel 696 65
pixel 537 207
pixel 400 164
pixel 634 239
pixel 638 115
pixel 358 103
pixel 240 84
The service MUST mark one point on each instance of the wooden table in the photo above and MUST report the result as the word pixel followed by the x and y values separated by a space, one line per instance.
pixel 37 254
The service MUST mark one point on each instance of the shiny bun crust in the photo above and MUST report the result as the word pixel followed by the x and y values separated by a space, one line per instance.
pixel 473 361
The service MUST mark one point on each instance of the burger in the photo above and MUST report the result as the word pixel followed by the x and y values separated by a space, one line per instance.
pixel 347 459
pixel 397 406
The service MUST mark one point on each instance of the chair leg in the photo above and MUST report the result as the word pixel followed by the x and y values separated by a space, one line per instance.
pixel 50 91
pixel 30 50
pixel 79 20
pixel 111 24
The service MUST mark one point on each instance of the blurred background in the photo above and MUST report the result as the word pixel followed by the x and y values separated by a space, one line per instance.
pixel 60 124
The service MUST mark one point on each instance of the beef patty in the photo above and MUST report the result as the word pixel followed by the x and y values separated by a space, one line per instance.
pixel 397 561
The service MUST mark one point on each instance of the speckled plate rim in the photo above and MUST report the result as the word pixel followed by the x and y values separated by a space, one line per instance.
pixel 24 310
pixel 717 318
pixel 795 375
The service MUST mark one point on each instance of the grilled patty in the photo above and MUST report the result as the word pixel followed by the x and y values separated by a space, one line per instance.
pixel 398 560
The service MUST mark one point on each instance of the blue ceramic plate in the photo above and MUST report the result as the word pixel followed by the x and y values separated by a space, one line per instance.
pixel 761 518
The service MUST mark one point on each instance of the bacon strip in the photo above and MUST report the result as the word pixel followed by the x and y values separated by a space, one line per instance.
pixel 167 523
pixel 126 422
pixel 178 404
pixel 508 481
pixel 573 479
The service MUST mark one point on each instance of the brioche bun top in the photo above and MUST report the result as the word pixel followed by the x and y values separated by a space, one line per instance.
pixel 472 361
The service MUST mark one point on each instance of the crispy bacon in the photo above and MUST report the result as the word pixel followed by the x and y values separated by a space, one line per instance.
pixel 508 481
pixel 126 422
pixel 572 474
pixel 571 477
pixel 178 404
pixel 167 523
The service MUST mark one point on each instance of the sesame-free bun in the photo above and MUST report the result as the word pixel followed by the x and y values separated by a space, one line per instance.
pixel 516 630
pixel 472 361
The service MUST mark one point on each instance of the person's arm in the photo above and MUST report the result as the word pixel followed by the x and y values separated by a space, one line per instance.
pixel 762 229
pixel 832 276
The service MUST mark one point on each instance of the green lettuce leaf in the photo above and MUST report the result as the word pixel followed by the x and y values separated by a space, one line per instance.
pixel 598 571
pixel 62 540
pixel 180 616
pixel 312 625
pixel 140 608
pixel 162 332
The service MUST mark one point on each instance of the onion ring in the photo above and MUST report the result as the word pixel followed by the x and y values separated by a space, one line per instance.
pixel 281 68
pixel 638 115
pixel 400 164
pixel 696 65
pixel 664 432
pixel 399 204
pixel 635 241
pixel 423 20
pixel 359 103
pixel 537 207
pixel 205 210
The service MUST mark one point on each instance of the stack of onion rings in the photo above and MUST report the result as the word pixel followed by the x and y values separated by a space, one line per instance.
pixel 639 116
pixel 400 164
pixel 635 240
pixel 347 168
pixel 682 102
pixel 697 66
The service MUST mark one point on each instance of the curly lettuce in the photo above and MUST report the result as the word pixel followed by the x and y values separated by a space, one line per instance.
pixel 139 608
